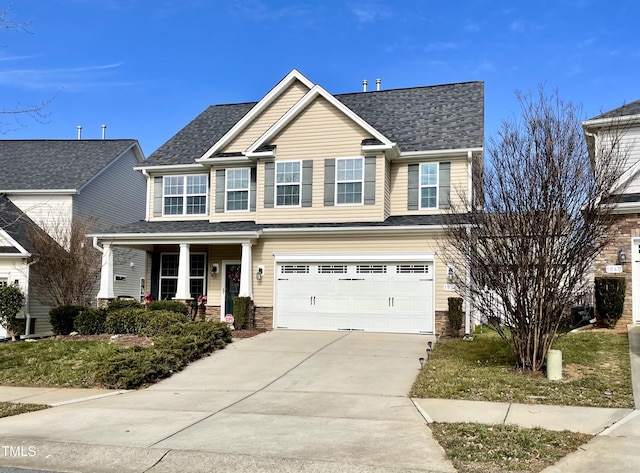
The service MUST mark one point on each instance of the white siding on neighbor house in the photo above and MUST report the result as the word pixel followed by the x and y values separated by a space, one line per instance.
pixel 52 213
pixel 15 269
pixel 267 118
pixel 399 183
pixel 630 145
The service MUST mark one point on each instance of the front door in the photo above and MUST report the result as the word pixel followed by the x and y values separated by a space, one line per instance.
pixel 231 287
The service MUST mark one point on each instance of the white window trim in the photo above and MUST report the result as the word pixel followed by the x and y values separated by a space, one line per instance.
pixel 436 185
pixel 275 186
pixel 350 204
pixel 161 277
pixel 227 190
pixel 184 196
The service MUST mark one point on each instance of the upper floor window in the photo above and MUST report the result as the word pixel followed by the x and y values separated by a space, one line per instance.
pixel 288 181
pixel 237 187
pixel 185 195
pixel 349 181
pixel 428 185
pixel 3 282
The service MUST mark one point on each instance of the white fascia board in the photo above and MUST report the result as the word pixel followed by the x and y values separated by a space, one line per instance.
pixel 621 120
pixel 352 257
pixel 430 154
pixel 39 191
pixel 171 167
pixel 627 208
pixel 175 238
pixel 262 155
pixel 15 244
pixel 302 104
pixel 256 110
pixel 353 230
pixel 227 160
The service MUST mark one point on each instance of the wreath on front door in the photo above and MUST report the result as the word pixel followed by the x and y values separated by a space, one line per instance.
pixel 234 276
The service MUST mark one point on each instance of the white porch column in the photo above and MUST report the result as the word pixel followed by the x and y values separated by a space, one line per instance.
pixel 106 275
pixel 183 292
pixel 246 272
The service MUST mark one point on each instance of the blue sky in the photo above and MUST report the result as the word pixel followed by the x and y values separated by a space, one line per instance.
pixel 145 68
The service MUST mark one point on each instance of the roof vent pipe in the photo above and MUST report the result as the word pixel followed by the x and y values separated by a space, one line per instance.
pixel 364 85
pixel 104 129
pixel 378 82
pixel 79 132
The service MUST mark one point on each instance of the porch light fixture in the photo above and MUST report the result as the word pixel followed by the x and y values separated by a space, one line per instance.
pixel 260 273
pixel 421 360
pixel 622 256
pixel 215 269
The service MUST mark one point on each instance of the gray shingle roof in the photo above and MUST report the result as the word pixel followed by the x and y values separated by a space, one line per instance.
pixel 204 226
pixel 55 164
pixel 15 223
pixel 632 108
pixel 420 118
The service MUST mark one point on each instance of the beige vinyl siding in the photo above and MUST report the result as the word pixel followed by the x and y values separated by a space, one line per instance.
pixel 52 213
pixel 399 182
pixel 271 114
pixel 320 132
pixel 263 254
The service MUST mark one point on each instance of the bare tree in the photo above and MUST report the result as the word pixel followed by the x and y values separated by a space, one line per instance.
pixel 530 247
pixel 67 267
pixel 35 111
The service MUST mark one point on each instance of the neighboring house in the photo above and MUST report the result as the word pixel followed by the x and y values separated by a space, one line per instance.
pixel 622 257
pixel 51 182
pixel 325 209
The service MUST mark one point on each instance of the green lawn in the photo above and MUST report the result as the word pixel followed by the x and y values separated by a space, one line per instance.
pixel 596 372
pixel 54 363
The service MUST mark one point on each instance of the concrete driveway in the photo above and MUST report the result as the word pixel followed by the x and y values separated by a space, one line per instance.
pixel 281 401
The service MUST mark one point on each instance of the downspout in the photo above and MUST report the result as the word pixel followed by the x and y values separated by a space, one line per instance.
pixel 467 302
pixel 96 246
pixel 146 210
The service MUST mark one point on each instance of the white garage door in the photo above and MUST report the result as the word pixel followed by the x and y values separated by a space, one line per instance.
pixel 375 297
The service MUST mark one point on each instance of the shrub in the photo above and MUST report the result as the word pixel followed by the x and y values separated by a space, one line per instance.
pixel 124 321
pixel 184 342
pixel 609 295
pixel 173 306
pixel 90 322
pixel 455 315
pixel 11 302
pixel 242 312
pixel 124 304
pixel 62 318
pixel 159 322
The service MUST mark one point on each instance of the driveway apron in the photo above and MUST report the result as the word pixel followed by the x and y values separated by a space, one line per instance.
pixel 336 398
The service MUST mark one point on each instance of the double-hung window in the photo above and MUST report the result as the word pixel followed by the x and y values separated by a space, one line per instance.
pixel 169 275
pixel 237 189
pixel 3 282
pixel 428 185
pixel 288 181
pixel 185 195
pixel 349 181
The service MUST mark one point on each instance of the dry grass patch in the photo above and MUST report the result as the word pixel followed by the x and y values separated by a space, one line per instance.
pixel 479 448
pixel 11 409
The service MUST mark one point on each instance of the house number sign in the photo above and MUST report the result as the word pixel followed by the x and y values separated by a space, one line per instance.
pixel 613 268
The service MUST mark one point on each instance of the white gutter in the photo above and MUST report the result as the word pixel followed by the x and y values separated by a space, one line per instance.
pixel 95 244
pixel 226 160
pixel 438 152
pixel 352 230
pixel 40 191
pixel 171 167
pixel 618 120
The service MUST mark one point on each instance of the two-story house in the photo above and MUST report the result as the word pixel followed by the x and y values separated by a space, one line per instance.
pixel 622 256
pixel 325 209
pixel 48 183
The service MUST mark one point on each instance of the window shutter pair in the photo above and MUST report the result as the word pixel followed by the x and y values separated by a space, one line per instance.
pixel 369 181
pixel 220 190
pixel 305 186
pixel 444 186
